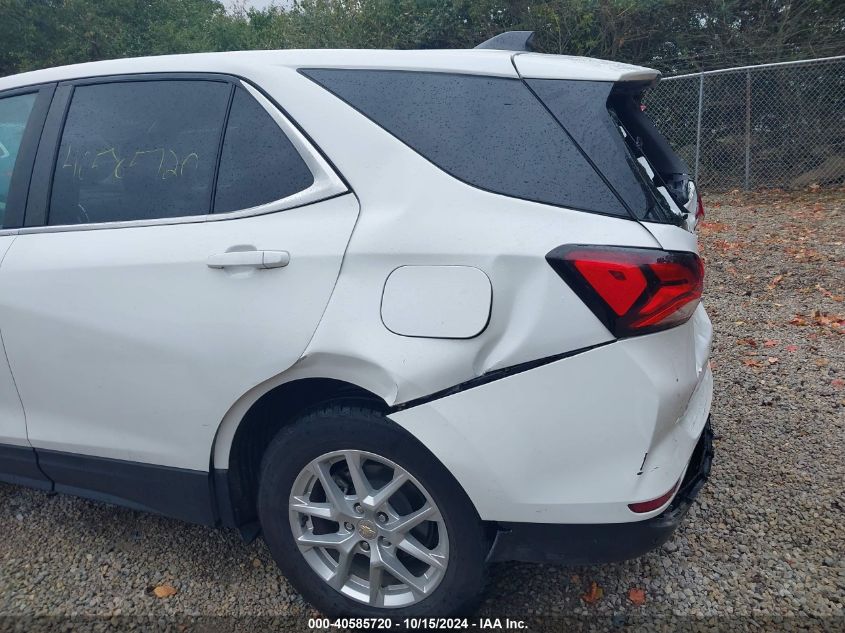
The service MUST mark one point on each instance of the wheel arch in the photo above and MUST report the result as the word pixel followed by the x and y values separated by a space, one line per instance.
pixel 259 414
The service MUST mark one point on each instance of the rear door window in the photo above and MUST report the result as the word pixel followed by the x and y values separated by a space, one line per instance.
pixel 138 150
pixel 14 115
pixel 490 132
pixel 259 164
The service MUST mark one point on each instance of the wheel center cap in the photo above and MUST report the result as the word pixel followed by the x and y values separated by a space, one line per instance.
pixel 367 529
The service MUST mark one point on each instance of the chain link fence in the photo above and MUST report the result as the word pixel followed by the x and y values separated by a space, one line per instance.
pixel 774 125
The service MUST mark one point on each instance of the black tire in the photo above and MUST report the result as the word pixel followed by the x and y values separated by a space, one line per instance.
pixel 341 427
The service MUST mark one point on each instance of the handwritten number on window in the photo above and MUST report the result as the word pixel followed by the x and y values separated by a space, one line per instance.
pixel 169 164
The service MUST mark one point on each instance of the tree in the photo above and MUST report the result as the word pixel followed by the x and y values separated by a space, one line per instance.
pixel 671 35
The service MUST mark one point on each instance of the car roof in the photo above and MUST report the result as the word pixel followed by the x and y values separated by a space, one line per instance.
pixel 244 63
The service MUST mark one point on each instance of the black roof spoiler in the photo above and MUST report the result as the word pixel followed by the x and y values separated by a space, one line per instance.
pixel 511 41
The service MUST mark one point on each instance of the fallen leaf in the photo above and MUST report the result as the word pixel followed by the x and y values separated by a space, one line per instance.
pixel 838 383
pixel 772 360
pixel 827 293
pixel 751 362
pixel 791 348
pixel 746 341
pixel 725 245
pixel 821 362
pixel 707 228
pixel 798 320
pixel 771 343
pixel 775 281
pixel 825 319
pixel 637 596
pixel 593 595
pixel 164 591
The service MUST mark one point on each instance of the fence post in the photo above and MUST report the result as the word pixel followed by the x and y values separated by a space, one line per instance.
pixel 748 130
pixel 698 126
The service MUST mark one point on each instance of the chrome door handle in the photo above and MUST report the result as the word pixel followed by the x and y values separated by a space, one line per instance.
pixel 252 259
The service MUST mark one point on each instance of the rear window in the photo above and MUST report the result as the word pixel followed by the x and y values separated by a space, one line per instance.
pixel 586 110
pixel 489 132
pixel 258 164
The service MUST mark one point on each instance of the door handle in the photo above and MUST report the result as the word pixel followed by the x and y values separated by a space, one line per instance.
pixel 252 259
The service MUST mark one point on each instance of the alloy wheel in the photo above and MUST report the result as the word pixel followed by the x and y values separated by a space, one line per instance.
pixel 369 529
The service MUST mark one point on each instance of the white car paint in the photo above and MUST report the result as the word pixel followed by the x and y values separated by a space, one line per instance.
pixel 146 346
pixel 12 420
pixel 673 238
pixel 542 66
pixel 152 356
pixel 251 63
pixel 526 447
pixel 436 301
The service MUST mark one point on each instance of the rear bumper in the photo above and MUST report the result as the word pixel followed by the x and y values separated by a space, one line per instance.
pixel 581 544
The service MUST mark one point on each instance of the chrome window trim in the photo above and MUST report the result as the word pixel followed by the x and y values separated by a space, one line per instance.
pixel 327 184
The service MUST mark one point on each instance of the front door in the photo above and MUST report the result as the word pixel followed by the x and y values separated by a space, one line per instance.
pixel 21 115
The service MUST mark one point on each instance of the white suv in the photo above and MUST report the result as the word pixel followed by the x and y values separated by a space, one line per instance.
pixel 401 312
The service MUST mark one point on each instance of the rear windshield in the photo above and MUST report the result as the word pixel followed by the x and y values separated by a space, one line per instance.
pixel 490 132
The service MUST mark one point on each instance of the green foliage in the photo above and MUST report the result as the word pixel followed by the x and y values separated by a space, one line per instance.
pixel 673 35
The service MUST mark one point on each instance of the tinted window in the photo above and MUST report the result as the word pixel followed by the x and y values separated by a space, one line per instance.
pixel 487 131
pixel 581 108
pixel 14 113
pixel 138 150
pixel 259 164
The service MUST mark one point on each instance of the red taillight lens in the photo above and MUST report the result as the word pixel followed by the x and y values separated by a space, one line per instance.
pixel 699 212
pixel 632 290
pixel 648 506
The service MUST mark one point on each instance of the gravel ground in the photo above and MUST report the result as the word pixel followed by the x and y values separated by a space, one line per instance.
pixel 765 541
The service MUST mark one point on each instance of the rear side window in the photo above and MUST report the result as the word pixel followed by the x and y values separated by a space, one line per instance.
pixel 138 150
pixel 14 114
pixel 258 164
pixel 490 132
pixel 581 107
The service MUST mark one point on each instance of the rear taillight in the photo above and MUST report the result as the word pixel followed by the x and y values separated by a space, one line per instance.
pixel 632 290
pixel 653 504
pixel 699 211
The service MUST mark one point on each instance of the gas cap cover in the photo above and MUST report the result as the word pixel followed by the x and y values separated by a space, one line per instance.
pixel 437 301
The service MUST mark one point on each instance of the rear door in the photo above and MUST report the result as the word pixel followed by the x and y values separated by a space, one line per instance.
pixel 182 239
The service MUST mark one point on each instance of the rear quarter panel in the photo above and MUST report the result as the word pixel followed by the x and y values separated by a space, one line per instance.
pixel 412 214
